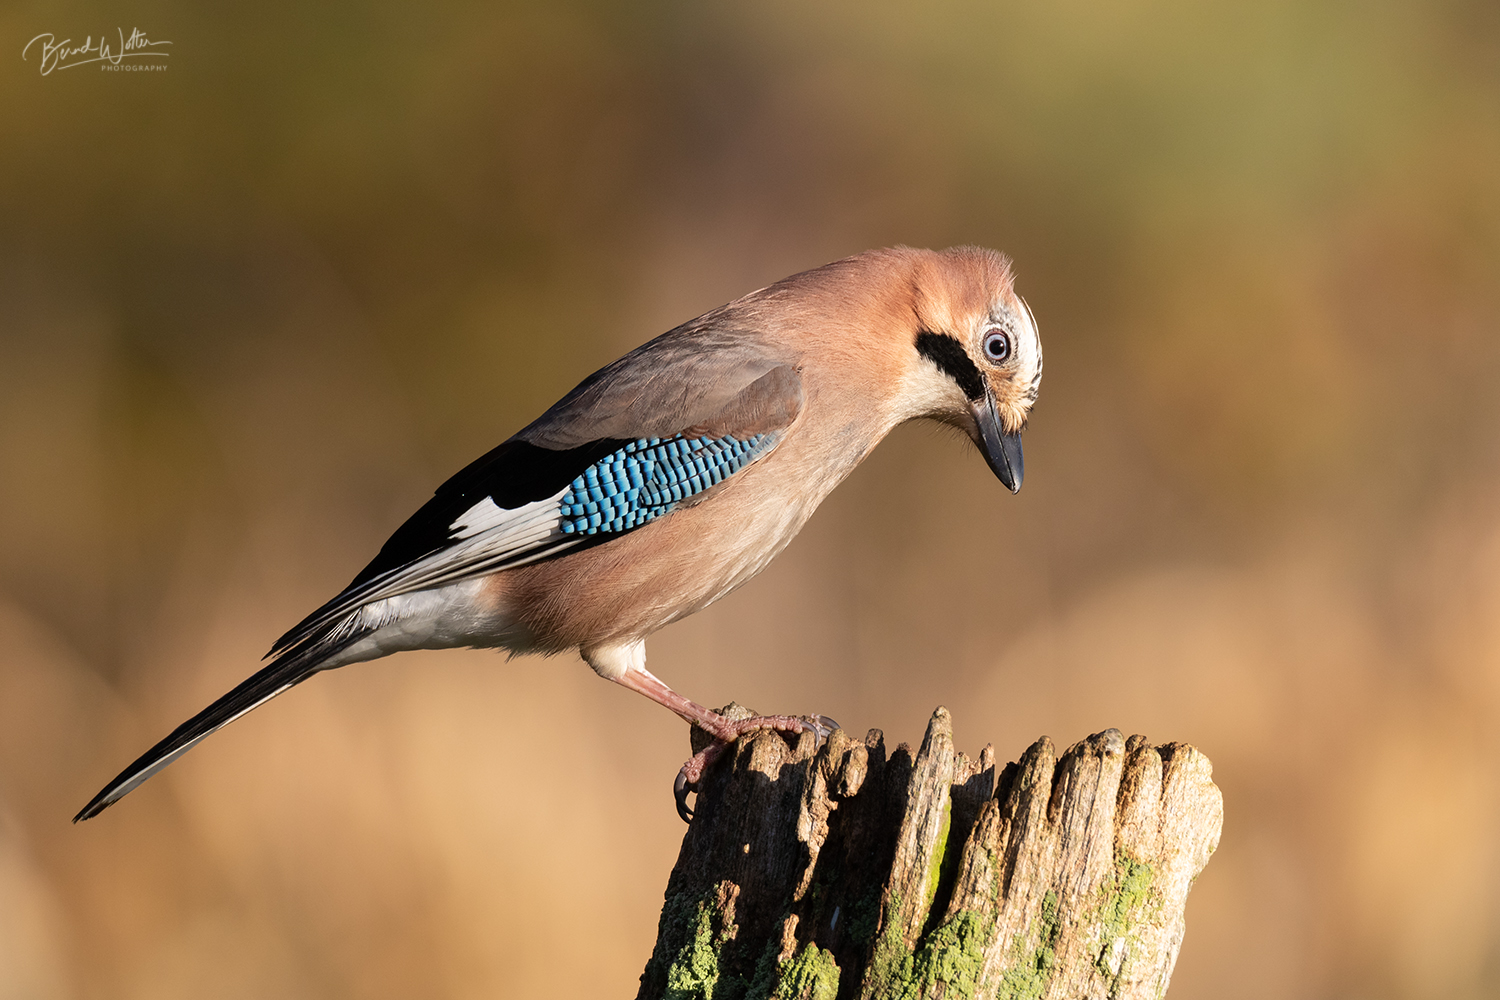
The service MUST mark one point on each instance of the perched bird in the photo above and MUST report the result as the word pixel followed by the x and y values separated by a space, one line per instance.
pixel 672 476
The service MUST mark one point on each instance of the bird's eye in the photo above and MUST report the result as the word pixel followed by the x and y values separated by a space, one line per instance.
pixel 996 346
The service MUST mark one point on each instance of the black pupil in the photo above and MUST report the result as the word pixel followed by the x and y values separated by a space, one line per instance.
pixel 997 346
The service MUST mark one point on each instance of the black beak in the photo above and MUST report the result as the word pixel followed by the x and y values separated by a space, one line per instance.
pixel 1001 450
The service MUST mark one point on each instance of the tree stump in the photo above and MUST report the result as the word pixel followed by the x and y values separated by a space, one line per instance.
pixel 815 873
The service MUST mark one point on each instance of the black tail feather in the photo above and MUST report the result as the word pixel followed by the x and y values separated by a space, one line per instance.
pixel 289 669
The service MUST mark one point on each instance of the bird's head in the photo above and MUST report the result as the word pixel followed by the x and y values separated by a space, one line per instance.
pixel 974 360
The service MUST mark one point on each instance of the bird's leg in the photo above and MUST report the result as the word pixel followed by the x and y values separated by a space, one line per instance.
pixel 723 730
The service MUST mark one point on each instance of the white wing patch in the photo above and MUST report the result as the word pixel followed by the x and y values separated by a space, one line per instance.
pixel 487 537
pixel 486 514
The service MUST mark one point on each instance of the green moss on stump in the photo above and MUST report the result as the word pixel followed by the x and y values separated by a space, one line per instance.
pixel 940 864
pixel 694 973
pixel 1027 979
pixel 890 964
pixel 811 974
pixel 953 954
pixel 864 916
pixel 1126 902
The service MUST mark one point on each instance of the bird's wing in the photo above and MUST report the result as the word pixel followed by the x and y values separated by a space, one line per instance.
pixel 624 448
pixel 630 444
pixel 695 376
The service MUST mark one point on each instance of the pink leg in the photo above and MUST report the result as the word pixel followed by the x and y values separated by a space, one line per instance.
pixel 724 731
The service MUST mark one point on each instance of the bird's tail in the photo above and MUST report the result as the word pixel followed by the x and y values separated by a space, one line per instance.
pixel 292 667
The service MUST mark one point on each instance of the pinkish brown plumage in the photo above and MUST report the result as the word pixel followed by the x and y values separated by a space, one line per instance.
pixel 671 477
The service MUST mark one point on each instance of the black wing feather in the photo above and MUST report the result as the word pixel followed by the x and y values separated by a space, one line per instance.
pixel 512 475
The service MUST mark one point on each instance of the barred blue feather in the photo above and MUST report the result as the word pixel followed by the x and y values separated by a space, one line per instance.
pixel 649 476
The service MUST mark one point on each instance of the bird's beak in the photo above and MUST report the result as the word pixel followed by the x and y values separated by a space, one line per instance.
pixel 1001 450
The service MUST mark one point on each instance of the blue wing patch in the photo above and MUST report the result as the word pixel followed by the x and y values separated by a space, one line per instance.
pixel 648 477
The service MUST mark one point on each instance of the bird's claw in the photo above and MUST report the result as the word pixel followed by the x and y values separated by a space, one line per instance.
pixel 690 777
pixel 680 789
pixel 822 726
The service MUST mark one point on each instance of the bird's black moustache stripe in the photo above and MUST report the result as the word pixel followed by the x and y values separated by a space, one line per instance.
pixel 951 358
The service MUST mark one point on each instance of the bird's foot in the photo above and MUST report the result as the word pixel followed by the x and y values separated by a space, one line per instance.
pixel 723 732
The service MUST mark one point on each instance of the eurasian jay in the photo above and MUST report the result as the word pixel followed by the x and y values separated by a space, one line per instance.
pixel 672 476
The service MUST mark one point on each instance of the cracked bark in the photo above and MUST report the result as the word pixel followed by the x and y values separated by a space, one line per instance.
pixel 816 873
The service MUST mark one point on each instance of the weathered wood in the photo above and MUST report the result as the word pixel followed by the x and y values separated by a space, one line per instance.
pixel 815 873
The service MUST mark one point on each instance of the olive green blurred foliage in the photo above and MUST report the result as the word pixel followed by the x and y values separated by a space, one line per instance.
pixel 253 309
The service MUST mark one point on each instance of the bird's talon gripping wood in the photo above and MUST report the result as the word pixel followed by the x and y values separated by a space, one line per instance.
pixel 667 479
pixel 724 731
pixel 690 778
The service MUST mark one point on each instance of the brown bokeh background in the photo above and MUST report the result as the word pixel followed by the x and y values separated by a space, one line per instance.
pixel 254 309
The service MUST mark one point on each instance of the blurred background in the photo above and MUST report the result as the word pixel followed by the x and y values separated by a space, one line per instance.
pixel 255 308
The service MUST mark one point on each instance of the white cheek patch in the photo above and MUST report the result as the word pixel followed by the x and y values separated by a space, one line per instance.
pixel 1031 352
pixel 927 391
